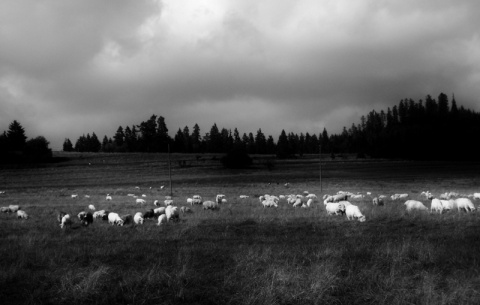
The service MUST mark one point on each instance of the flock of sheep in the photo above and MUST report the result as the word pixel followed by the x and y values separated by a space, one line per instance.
pixel 337 204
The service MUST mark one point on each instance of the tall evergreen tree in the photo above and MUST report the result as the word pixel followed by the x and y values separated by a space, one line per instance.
pixel 67 145
pixel 16 137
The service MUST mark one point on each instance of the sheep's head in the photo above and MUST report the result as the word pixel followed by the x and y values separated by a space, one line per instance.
pixel 120 222
pixel 362 218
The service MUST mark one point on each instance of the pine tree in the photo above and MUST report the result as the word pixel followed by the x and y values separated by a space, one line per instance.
pixel 196 139
pixel 67 145
pixel 16 136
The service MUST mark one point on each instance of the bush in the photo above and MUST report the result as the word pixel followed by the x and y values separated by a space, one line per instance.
pixel 237 158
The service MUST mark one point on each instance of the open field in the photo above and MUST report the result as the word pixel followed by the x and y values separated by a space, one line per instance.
pixel 243 253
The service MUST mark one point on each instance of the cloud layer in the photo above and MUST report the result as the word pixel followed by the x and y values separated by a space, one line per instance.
pixel 72 67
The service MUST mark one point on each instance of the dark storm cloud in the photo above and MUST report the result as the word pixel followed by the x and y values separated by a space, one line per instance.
pixel 69 67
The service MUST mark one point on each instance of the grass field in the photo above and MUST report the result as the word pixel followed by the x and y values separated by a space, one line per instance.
pixel 243 253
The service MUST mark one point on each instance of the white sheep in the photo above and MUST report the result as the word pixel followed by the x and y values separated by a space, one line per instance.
pixel 399 196
pixel 65 221
pixel 243 196
pixel 74 196
pixel 168 202
pixel 5 210
pixel 476 196
pixel 91 207
pixel 311 196
pixel 336 198
pixel 168 197
pixel 140 201
pixel 269 204
pixel 353 212
pixel 309 202
pixel 172 213
pixel 378 201
pixel 345 203
pixel 210 205
pixel 190 201
pixel 412 205
pixel 447 205
pixel 162 219
pixel 81 215
pixel 335 208
pixel 144 196
pixel 114 219
pixel 138 218
pixel 99 214
pixel 436 206
pixel 14 208
pixel 159 211
pixel 22 214
pixel 464 204
pixel 186 210
pixel 108 197
pixel 298 203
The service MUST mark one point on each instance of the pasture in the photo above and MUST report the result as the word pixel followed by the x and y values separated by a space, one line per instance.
pixel 242 253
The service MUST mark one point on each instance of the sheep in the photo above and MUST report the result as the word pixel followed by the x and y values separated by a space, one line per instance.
pixel 336 198
pixel 219 198
pixel 269 204
pixel 447 205
pixel 357 196
pixel 168 197
pixel 309 202
pixel 140 201
pixel 108 197
pixel 196 199
pixel 74 196
pixel 190 201
pixel 311 196
pixel 243 196
pixel 99 214
pixel 412 205
pixel 5 210
pixel 149 214
pixel 345 203
pixel 14 208
pixel 186 210
pixel 476 196
pixel 114 219
pixel 378 201
pixel 210 205
pixel 335 208
pixel 464 204
pixel 91 207
pixel 298 203
pixel 353 212
pixel 162 219
pixel 172 213
pixel 144 196
pixel 87 196
pixel 22 214
pixel 87 219
pixel 138 218
pixel 156 203
pixel 65 221
pixel 127 219
pixel 159 211
pixel 168 202
pixel 131 195
pixel 436 206
pixel 399 196
pixel 81 215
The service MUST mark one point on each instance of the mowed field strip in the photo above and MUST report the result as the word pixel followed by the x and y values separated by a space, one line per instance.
pixel 243 253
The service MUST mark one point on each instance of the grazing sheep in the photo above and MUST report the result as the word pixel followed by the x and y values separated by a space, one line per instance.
pixel 168 202
pixel 413 205
pixel 197 199
pixel 114 219
pixel 99 214
pixel 269 204
pixel 74 196
pixel 14 208
pixel 336 198
pixel 87 196
pixel 149 214
pixel 335 208
pixel 378 201
pixel 91 207
pixel 138 218
pixel 309 202
pixel 108 197
pixel 172 213
pixel 168 197
pixel 156 203
pixel 311 196
pixel 298 203
pixel 353 212
pixel 243 196
pixel 476 196
pixel 186 210
pixel 190 201
pixel 127 219
pixel 159 211
pixel 140 201
pixel 131 195
pixel 22 214
pixel 5 210
pixel 345 203
pixel 399 196
pixel 464 204
pixel 357 196
pixel 219 198
pixel 436 206
pixel 162 219
pixel 447 205
pixel 65 221
pixel 144 196
pixel 87 219
pixel 81 215
pixel 210 205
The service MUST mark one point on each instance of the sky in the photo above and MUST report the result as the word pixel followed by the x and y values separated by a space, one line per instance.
pixel 71 67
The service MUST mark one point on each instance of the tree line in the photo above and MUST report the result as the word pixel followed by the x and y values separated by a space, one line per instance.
pixel 433 129
pixel 15 148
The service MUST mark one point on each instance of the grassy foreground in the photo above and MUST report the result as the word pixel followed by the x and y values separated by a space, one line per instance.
pixel 242 254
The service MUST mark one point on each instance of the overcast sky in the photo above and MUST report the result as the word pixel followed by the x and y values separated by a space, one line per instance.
pixel 72 67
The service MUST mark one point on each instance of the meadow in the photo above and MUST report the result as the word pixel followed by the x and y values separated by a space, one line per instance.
pixel 243 253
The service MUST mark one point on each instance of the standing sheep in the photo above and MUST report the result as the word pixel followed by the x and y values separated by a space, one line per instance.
pixel 436 206
pixel 162 219
pixel 172 213
pixel 210 205
pixel 414 205
pixel 22 214
pixel 138 218
pixel 464 204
